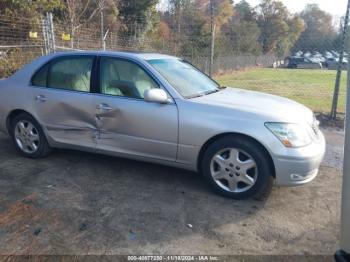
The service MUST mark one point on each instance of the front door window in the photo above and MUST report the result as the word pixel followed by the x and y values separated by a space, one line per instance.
pixel 124 78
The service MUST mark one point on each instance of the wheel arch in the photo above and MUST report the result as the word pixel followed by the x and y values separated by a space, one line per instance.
pixel 236 135
pixel 12 115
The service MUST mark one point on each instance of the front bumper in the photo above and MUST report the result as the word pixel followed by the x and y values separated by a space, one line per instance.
pixel 300 166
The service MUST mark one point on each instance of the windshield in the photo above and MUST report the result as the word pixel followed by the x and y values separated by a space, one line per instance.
pixel 185 78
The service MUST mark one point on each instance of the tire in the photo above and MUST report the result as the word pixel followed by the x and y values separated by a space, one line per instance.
pixel 28 137
pixel 245 164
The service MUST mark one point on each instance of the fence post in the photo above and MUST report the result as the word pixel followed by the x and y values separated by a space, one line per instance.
pixel 52 33
pixel 103 42
pixel 340 62
pixel 44 28
pixel 212 39
pixel 49 34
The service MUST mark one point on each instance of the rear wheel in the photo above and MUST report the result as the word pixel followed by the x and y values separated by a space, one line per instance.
pixel 28 137
pixel 237 167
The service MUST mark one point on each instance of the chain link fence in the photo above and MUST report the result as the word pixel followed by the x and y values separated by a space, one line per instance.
pixel 306 74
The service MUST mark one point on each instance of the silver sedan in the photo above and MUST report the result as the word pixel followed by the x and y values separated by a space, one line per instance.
pixel 161 109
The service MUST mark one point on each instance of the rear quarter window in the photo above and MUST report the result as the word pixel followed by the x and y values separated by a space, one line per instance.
pixel 40 77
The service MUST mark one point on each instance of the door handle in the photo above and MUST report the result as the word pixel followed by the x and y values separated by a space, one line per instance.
pixel 104 107
pixel 40 98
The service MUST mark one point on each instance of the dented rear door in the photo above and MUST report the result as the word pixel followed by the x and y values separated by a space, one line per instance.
pixel 63 101
pixel 67 116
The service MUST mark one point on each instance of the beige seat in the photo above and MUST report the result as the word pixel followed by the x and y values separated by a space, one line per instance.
pixel 143 82
pixel 108 73
pixel 82 82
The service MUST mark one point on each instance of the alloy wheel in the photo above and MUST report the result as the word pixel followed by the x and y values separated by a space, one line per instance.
pixel 233 170
pixel 27 137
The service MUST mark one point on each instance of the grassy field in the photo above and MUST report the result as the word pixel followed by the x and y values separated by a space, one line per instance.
pixel 313 88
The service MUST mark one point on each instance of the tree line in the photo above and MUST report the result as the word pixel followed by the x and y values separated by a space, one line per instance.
pixel 268 28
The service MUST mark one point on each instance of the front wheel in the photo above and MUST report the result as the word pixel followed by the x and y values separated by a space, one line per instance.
pixel 237 167
pixel 28 137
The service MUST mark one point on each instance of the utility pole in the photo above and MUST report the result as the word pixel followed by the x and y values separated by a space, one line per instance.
pixel 178 7
pixel 212 41
pixel 340 62
pixel 344 253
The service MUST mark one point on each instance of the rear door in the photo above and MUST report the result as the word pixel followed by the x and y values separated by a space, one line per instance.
pixel 127 123
pixel 63 102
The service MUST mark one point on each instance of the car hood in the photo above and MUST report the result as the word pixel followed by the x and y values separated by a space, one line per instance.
pixel 269 107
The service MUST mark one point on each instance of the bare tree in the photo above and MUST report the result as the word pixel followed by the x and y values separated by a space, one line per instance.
pixel 79 13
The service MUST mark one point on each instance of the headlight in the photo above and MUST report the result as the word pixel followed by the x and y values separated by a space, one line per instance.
pixel 291 135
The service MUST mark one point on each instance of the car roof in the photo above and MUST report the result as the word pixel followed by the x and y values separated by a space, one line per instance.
pixel 24 74
pixel 126 54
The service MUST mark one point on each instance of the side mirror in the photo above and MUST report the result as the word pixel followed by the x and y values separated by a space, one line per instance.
pixel 156 95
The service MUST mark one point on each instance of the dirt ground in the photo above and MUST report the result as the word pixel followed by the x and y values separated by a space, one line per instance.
pixel 80 203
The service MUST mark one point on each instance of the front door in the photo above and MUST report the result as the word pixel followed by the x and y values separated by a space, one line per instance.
pixel 127 123
pixel 63 103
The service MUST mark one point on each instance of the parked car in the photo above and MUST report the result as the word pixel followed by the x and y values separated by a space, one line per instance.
pixel 161 109
pixel 307 54
pixel 335 53
pixel 299 53
pixel 328 54
pixel 319 60
pixel 333 63
pixel 303 63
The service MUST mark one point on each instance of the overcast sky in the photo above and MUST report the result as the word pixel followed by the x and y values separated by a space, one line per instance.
pixel 335 7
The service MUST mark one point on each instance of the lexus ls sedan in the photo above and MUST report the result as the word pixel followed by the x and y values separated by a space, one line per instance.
pixel 161 109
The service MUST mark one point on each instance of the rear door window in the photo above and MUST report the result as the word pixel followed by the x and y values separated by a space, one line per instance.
pixel 69 73
pixel 73 73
